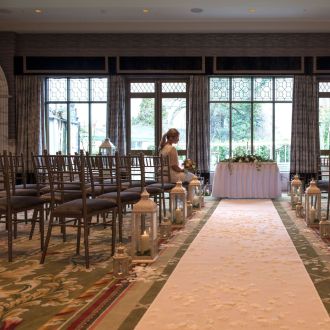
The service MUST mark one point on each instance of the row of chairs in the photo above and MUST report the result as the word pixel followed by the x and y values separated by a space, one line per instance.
pixel 77 191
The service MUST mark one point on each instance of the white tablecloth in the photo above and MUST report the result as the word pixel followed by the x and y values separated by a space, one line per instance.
pixel 246 180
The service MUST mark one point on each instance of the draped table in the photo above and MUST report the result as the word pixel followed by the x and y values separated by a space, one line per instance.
pixel 246 180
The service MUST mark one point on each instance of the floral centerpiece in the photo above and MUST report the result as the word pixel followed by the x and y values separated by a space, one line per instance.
pixel 247 158
pixel 189 165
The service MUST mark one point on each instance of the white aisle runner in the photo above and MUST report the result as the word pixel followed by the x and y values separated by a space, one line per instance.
pixel 242 271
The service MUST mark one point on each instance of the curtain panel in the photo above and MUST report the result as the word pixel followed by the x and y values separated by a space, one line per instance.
pixel 116 113
pixel 198 146
pixel 305 140
pixel 28 117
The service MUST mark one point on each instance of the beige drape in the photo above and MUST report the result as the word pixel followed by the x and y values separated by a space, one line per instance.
pixel 116 114
pixel 199 123
pixel 28 116
pixel 305 140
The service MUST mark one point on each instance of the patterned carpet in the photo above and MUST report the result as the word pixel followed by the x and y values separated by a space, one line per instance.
pixel 313 251
pixel 62 294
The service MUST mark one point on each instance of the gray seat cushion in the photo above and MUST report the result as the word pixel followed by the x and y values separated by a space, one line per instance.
pixel 21 192
pixel 125 196
pixel 68 195
pixel 21 202
pixel 102 189
pixel 166 186
pixel 150 189
pixel 74 208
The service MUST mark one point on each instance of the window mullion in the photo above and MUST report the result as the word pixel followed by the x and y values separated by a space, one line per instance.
pixel 230 116
pixel 274 117
pixel 68 120
pixel 252 149
pixel 158 112
pixel 89 116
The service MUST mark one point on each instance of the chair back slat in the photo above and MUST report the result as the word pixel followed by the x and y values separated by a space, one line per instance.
pixel 6 176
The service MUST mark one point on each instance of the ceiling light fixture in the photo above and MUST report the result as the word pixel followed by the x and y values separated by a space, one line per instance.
pixel 196 10
pixel 38 11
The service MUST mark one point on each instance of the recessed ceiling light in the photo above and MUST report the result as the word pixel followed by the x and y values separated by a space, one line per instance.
pixel 38 11
pixel 146 10
pixel 196 10
pixel 252 10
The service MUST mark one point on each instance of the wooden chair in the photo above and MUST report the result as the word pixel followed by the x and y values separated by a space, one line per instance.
pixel 122 197
pixel 18 184
pixel 11 205
pixel 144 171
pixel 163 179
pixel 77 213
pixel 103 175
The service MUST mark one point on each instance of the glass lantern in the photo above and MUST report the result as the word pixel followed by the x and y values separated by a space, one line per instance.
pixel 144 246
pixel 165 228
pixel 107 148
pixel 121 263
pixel 202 198
pixel 189 209
pixel 296 191
pixel 299 210
pixel 324 227
pixel 178 200
pixel 194 192
pixel 312 204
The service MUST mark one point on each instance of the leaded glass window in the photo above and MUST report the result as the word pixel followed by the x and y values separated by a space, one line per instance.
pixel 251 115
pixel 154 107
pixel 324 114
pixel 75 114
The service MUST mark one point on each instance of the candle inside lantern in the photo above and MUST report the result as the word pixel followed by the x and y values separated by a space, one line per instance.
pixel 295 199
pixel 189 209
pixel 196 201
pixel 312 214
pixel 299 209
pixel 178 215
pixel 144 242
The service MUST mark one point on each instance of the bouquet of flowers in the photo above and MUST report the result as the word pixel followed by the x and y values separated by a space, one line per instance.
pixel 189 165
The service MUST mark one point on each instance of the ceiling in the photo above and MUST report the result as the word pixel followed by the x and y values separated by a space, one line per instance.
pixel 168 16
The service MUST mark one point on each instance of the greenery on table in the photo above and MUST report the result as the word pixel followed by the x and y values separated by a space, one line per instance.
pixel 248 158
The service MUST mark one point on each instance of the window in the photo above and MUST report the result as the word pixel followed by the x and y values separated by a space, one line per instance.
pixel 154 107
pixel 251 115
pixel 324 114
pixel 75 114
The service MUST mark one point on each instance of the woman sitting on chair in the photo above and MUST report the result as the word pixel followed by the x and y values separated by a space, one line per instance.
pixel 166 148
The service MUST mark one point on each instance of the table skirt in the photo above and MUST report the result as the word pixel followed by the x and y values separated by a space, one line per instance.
pixel 246 180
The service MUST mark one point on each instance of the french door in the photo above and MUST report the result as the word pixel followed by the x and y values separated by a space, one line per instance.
pixel 155 105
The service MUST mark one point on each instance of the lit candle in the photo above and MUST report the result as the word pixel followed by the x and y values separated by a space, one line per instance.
pixel 196 201
pixel 312 214
pixel 178 215
pixel 299 209
pixel 189 209
pixel 144 242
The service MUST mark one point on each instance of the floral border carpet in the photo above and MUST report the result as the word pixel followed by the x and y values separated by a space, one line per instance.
pixel 62 294
pixel 313 251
